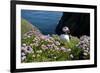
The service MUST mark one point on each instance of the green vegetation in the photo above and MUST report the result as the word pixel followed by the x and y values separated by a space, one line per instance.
pixel 25 26
pixel 52 49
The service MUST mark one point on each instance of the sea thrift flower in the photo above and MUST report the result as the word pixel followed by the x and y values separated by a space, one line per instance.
pixel 39 51
pixel 53 45
pixel 43 37
pixel 71 55
pixel 50 41
pixel 57 43
pixel 44 47
pixel 31 44
pixel 47 40
pixel 84 44
pixel 36 39
pixel 85 54
pixel 28 36
pixel 50 46
pixel 38 55
pixel 22 48
pixel 36 44
pixel 86 51
pixel 34 55
pixel 63 49
pixel 29 49
pixel 55 57
pixel 23 44
pixel 51 38
pixel 23 58
pixel 56 48
pixel 68 50
pixel 23 54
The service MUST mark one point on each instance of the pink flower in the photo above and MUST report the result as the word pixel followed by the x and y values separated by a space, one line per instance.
pixel 63 49
pixel 50 46
pixel 68 50
pixel 44 47
pixel 43 37
pixel 57 43
pixel 36 44
pixel 23 58
pixel 71 56
pixel 56 48
pixel 27 49
pixel 23 44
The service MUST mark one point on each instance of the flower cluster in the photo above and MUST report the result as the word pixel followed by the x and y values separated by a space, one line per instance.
pixel 84 44
pixel 31 33
pixel 25 50
pixel 37 47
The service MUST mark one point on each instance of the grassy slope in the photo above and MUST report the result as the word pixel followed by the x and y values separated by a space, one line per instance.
pixel 25 26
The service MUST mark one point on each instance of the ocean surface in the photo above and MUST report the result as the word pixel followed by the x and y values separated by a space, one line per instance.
pixel 45 21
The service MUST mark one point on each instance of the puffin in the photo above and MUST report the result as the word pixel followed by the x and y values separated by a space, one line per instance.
pixel 66 35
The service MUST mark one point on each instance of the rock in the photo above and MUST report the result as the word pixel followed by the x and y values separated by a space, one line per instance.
pixel 78 24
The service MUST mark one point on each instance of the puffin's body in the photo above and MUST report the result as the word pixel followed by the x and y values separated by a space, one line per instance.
pixel 66 35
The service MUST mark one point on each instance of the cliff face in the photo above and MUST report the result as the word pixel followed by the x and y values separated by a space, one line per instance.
pixel 78 23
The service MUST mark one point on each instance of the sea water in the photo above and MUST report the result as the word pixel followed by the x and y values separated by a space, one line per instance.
pixel 45 21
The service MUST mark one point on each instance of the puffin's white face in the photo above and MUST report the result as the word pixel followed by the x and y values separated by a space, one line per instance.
pixel 65 29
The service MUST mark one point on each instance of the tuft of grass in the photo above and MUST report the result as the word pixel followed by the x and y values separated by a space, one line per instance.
pixel 74 49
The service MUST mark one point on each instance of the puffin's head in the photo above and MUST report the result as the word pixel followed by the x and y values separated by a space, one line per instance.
pixel 66 30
